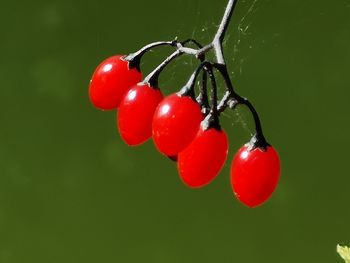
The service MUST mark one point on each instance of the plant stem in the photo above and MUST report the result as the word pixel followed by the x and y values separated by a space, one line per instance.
pixel 152 78
pixel 135 58
pixel 231 98
pixel 220 34
pixel 214 116
pixel 202 99
pixel 188 89
pixel 237 99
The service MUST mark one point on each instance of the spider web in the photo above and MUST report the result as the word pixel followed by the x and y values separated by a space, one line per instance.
pixel 204 27
pixel 237 38
pixel 241 34
pixel 243 31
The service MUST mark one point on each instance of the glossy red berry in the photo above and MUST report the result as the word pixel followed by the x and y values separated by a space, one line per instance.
pixel 175 124
pixel 136 112
pixel 204 158
pixel 255 174
pixel 110 82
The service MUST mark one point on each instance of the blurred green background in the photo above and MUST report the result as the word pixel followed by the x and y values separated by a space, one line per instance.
pixel 71 191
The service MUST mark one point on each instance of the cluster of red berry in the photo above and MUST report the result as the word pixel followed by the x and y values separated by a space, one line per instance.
pixel 184 127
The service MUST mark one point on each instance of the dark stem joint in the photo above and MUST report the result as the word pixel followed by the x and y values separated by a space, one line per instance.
pixel 258 142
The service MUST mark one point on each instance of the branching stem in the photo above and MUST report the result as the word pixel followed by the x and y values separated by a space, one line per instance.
pixel 231 99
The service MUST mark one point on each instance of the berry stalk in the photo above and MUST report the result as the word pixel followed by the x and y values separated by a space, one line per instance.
pixel 183 127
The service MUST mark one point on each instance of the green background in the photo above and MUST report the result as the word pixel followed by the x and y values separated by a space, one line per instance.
pixel 72 191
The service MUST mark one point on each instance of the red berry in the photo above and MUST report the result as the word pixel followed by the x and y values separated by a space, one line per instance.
pixel 203 159
pixel 255 174
pixel 175 124
pixel 135 113
pixel 110 81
